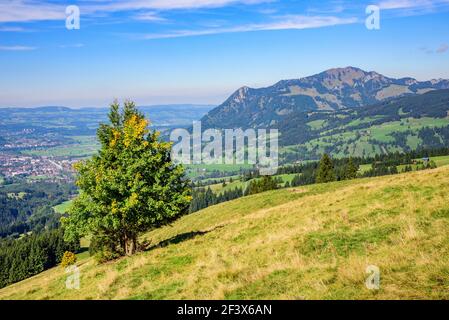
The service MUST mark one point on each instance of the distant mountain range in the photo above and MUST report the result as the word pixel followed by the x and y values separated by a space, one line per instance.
pixel 331 90
pixel 178 115
pixel 343 112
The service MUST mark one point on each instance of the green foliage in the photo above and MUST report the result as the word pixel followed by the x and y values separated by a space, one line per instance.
pixel 325 171
pixel 104 248
pixel 431 165
pixel 129 187
pixel 261 185
pixel 68 259
pixel 26 207
pixel 203 198
pixel 351 169
pixel 407 168
pixel 32 254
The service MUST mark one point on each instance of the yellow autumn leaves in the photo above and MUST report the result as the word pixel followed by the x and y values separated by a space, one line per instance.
pixel 135 128
pixel 131 202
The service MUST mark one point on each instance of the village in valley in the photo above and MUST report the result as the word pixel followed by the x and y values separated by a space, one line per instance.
pixel 13 165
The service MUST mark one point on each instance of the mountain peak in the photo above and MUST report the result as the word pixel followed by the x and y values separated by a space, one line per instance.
pixel 241 94
pixel 333 89
pixel 337 78
pixel 347 69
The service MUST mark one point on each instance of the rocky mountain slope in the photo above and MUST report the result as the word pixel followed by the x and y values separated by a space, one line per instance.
pixel 333 89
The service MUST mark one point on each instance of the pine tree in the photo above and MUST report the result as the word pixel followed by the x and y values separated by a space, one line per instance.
pixel 129 187
pixel 351 169
pixel 325 171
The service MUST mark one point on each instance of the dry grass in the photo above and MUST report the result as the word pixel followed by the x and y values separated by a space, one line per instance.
pixel 305 243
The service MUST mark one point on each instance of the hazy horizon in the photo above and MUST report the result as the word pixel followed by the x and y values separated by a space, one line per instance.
pixel 194 105
pixel 200 52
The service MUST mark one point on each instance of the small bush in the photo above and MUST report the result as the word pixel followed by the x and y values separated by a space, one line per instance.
pixel 104 249
pixel 106 255
pixel 68 259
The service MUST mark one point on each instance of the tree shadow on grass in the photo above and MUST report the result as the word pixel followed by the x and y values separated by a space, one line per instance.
pixel 178 238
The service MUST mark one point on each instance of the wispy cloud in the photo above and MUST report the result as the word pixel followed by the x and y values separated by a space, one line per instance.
pixel 127 5
pixel 17 48
pixel 35 10
pixel 411 4
pixel 148 16
pixel 29 10
pixel 408 8
pixel 402 4
pixel 443 48
pixel 289 22
pixel 12 29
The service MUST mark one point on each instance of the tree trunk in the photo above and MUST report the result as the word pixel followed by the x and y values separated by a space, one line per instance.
pixel 130 245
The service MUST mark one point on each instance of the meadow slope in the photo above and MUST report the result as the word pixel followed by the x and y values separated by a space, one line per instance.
pixel 311 242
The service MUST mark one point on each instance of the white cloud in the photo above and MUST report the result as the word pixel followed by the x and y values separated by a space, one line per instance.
pixel 289 22
pixel 29 10
pixel 35 10
pixel 170 4
pixel 16 48
pixel 12 29
pixel 410 4
pixel 148 16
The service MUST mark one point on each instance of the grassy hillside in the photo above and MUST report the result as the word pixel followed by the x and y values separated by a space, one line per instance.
pixel 237 183
pixel 311 242
pixel 63 207
pixel 402 135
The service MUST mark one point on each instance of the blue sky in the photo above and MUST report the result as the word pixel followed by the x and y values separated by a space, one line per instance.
pixel 200 51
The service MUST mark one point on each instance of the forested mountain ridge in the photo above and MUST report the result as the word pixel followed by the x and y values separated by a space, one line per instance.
pixel 434 104
pixel 402 124
pixel 405 123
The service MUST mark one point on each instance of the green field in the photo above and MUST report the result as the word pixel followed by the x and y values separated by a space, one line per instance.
pixel 63 207
pixel 218 188
pixel 312 242
pixel 376 139
pixel 17 196
pixel 317 124
pixel 358 122
pixel 38 178
pixel 200 170
pixel 83 146
pixel 63 151
pixel 439 161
